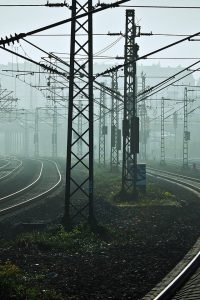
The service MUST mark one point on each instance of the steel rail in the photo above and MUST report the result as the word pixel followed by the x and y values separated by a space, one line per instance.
pixel 26 187
pixel 14 170
pixel 168 292
pixel 176 174
pixel 7 164
pixel 40 196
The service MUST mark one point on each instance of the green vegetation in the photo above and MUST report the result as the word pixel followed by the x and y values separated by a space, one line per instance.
pixel 108 188
pixel 19 284
pixel 26 283
pixel 107 185
pixel 16 284
pixel 81 240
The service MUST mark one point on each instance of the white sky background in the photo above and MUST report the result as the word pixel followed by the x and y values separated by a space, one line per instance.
pixel 180 21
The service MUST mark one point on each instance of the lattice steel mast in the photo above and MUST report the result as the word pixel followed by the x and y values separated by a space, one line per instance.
pixel 79 173
pixel 26 134
pixel 162 143
pixel 143 113
pixel 102 127
pixel 36 134
pixel 130 122
pixel 114 156
pixel 54 132
pixel 186 134
pixel 80 130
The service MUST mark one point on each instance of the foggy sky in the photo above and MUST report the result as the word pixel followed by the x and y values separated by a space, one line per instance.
pixel 16 20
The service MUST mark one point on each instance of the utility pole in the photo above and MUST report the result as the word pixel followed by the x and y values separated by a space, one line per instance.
pixel 54 132
pixel 114 161
pixel 175 122
pixel 79 189
pixel 26 134
pixel 186 133
pixel 7 141
pixel 143 122
pixel 103 129
pixel 162 144
pixel 131 121
pixel 36 134
pixel 80 131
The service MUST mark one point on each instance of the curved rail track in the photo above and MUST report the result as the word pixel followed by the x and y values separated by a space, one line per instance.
pixel 187 281
pixel 11 167
pixel 47 181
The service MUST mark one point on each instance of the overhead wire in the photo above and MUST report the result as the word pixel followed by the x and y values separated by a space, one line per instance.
pixel 146 55
pixel 160 6
pixel 17 37
pixel 168 79
pixel 168 85
pixel 68 65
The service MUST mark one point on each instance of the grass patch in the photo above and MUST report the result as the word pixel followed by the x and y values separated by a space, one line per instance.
pixel 16 284
pixel 108 187
pixel 80 240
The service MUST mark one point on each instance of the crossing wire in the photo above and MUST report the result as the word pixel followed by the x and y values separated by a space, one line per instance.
pixel 18 37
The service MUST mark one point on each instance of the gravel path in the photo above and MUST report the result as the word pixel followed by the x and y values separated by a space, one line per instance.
pixel 144 244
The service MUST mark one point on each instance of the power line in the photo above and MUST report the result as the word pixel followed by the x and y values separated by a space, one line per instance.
pixel 168 79
pixel 50 69
pixel 64 4
pixel 128 6
pixel 162 34
pixel 149 54
pixel 109 34
pixel 17 37
pixel 22 5
pixel 160 6
pixel 166 86
pixel 65 34
pixel 67 64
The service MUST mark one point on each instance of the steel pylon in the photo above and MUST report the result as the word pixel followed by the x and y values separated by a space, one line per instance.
pixel 162 143
pixel 185 130
pixel 143 114
pixel 114 160
pixel 79 169
pixel 130 122
pixel 54 132
pixel 36 133
pixel 102 127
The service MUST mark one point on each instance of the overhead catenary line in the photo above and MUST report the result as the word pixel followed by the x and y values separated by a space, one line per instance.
pixel 167 79
pixel 18 37
pixel 166 86
pixel 22 5
pixel 110 34
pixel 148 54
pixel 51 70
pixel 128 6
pixel 118 95
pixel 161 6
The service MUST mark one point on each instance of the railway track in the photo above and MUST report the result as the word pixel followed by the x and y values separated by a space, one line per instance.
pixel 46 182
pixel 21 176
pixel 185 285
pixel 10 168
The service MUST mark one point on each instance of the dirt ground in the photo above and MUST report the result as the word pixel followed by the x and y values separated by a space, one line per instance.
pixel 140 245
